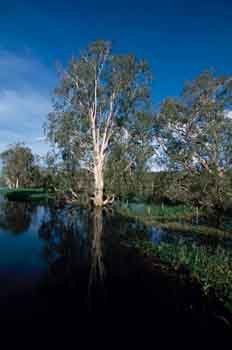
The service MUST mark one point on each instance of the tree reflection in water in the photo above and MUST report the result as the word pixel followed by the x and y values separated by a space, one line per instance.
pixel 16 217
pixel 97 268
pixel 73 249
pixel 71 283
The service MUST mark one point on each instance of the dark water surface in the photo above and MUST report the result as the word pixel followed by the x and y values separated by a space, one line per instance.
pixel 66 271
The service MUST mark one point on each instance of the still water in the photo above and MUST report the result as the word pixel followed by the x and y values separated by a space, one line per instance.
pixel 70 266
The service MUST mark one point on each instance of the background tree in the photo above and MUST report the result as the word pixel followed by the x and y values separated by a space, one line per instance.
pixel 65 183
pixel 19 167
pixel 195 134
pixel 98 97
pixel 130 159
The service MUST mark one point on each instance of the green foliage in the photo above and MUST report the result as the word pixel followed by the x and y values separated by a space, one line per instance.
pixel 62 183
pixel 26 194
pixel 195 134
pixel 211 268
pixel 102 114
pixel 20 167
pixel 193 230
pixel 157 212
pixel 179 219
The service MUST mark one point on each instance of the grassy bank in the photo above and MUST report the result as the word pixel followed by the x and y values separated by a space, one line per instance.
pixel 160 212
pixel 200 230
pixel 209 265
pixel 25 194
pixel 212 269
pixel 179 219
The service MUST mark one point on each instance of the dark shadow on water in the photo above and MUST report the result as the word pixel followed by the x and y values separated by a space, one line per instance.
pixel 16 217
pixel 83 279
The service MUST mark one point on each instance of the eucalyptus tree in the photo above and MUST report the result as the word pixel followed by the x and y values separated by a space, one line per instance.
pixel 97 98
pixel 19 166
pixel 195 135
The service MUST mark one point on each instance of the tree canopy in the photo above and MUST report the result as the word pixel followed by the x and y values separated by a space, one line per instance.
pixel 98 97
pixel 19 166
pixel 195 135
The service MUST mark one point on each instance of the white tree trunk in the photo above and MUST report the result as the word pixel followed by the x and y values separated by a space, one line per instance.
pixel 98 184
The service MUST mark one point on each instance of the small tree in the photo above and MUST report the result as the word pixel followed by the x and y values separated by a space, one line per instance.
pixel 97 99
pixel 19 166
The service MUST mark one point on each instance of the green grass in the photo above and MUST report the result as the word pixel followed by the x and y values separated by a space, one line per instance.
pixel 201 230
pixel 212 269
pixel 159 213
pixel 182 220
pixel 25 194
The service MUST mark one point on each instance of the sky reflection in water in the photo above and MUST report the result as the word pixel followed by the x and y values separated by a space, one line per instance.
pixel 59 263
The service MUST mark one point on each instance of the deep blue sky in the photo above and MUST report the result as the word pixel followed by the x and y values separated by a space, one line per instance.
pixel 178 38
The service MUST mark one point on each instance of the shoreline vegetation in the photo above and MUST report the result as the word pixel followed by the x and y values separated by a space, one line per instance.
pixel 208 265
pixel 26 194
pixel 176 218
pixel 211 269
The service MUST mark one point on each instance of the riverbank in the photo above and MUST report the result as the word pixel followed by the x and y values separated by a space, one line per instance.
pixel 179 219
pixel 210 268
pixel 193 248
pixel 25 194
